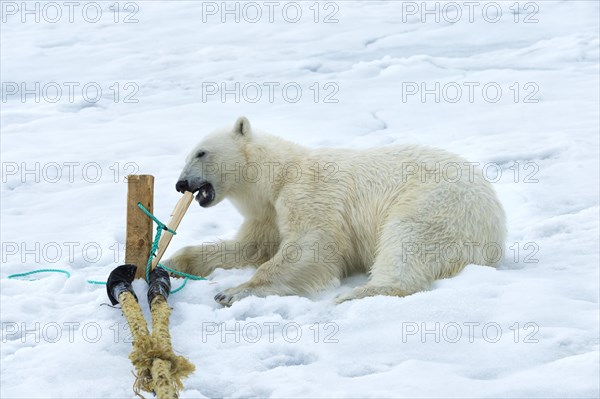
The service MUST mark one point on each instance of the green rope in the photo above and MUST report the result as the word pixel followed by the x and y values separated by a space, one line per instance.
pixel 16 275
pixel 182 274
pixel 160 226
pixel 96 282
pixel 153 250
pixel 185 280
pixel 151 216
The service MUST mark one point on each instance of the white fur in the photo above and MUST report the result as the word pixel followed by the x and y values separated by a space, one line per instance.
pixel 363 211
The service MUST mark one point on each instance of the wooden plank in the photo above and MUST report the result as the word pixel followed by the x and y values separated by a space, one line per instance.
pixel 180 209
pixel 140 188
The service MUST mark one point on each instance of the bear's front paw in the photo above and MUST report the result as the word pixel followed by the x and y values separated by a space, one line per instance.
pixel 230 295
pixel 187 264
pixel 177 264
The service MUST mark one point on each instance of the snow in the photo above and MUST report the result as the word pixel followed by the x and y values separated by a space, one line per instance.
pixel 529 329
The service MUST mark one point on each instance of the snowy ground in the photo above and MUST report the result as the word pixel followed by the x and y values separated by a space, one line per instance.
pixel 530 329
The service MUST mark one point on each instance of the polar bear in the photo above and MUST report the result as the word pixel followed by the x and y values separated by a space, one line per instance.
pixel 406 215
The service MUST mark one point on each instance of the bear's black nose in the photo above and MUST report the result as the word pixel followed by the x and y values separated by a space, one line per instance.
pixel 182 186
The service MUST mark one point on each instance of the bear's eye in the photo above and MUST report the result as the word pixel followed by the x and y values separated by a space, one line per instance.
pixel 200 154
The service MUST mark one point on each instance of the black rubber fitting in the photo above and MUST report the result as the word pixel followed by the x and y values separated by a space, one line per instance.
pixel 160 284
pixel 119 281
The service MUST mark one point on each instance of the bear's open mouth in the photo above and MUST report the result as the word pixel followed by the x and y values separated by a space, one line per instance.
pixel 206 194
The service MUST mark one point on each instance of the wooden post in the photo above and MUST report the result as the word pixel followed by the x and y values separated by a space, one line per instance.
pixel 140 188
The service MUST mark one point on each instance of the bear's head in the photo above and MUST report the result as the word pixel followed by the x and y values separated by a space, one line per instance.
pixel 211 167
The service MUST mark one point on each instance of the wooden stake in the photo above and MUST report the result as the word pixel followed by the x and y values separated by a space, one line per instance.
pixel 140 188
pixel 180 209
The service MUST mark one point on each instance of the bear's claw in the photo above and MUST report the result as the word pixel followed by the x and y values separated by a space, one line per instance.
pixel 224 299
pixel 230 295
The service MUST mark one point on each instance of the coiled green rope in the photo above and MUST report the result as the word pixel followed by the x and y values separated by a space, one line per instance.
pixel 160 226
pixel 17 275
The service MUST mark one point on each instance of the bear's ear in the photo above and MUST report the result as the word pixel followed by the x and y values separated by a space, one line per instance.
pixel 242 127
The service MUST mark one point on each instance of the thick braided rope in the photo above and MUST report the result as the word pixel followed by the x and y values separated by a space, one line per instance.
pixel 157 368
pixel 163 383
pixel 141 338
pixel 177 367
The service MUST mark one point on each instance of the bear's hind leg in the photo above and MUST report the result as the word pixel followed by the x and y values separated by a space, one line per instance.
pixel 398 270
